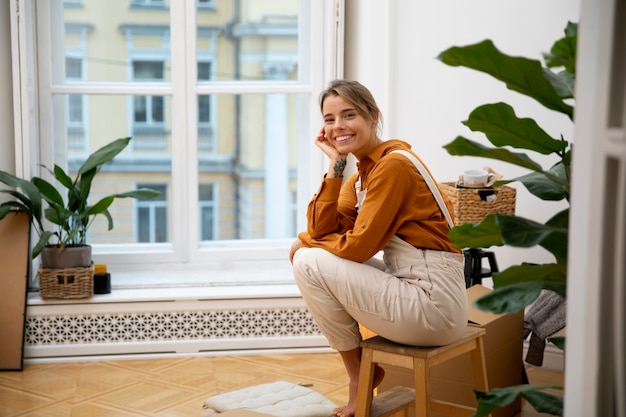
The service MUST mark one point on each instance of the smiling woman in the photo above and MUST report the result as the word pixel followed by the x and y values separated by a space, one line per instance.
pixel 416 294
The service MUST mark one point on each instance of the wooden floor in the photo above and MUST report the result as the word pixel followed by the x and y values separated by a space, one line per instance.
pixel 172 387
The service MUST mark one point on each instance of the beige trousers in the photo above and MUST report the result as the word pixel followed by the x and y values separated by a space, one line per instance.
pixel 415 297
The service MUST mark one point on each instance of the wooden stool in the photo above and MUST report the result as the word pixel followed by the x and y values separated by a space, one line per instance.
pixel 378 350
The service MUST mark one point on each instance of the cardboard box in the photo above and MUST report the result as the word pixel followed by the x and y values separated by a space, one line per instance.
pixel 452 380
pixel 241 412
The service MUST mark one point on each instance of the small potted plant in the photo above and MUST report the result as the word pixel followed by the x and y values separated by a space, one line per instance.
pixel 71 216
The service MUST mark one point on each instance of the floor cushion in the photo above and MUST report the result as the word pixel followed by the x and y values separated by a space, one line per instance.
pixel 280 399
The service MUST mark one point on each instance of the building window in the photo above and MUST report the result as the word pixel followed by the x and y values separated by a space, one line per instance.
pixel 207 208
pixel 152 216
pixel 76 135
pixel 206 136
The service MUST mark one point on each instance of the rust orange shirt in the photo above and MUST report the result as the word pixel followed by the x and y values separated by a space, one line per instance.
pixel 398 202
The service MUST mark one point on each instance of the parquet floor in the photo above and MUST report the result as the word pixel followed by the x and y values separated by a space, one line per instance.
pixel 172 387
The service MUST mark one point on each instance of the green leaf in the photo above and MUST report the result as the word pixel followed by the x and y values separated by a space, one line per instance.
pixel 503 128
pixel 558 341
pixel 563 51
pixel 510 298
pixel 465 147
pixel 552 185
pixel 44 238
pixel 103 155
pixel 557 242
pixel 519 74
pixel 483 235
pixel 524 233
pixel 501 397
pixel 61 176
pixel 48 192
pixel 141 194
pixel 563 82
pixel 552 277
pixel 544 402
pixel 100 207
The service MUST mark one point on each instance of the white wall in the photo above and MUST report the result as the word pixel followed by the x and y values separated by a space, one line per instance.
pixel 392 47
pixel 7 145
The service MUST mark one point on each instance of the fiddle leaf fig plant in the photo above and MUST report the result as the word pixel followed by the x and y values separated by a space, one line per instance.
pixel 516 287
pixel 71 216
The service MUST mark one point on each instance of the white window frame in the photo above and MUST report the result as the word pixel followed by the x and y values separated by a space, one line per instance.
pixel 321 64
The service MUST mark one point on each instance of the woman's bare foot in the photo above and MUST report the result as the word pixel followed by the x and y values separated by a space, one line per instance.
pixel 349 409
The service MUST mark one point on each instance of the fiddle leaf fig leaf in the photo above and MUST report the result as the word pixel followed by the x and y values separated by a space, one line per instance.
pixel 563 82
pixel 551 277
pixel 557 242
pixel 510 298
pixel 552 185
pixel 482 235
pixel 520 232
pixel 503 128
pixel 520 74
pixel 467 147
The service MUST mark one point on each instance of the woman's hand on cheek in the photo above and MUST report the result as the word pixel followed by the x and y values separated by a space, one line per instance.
pixel 325 144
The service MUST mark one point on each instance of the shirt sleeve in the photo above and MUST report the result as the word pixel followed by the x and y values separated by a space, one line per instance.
pixel 377 221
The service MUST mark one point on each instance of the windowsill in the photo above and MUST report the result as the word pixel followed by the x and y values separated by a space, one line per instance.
pixel 185 285
pixel 177 294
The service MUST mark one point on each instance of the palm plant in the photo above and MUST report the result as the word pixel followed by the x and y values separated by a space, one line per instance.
pixel 71 217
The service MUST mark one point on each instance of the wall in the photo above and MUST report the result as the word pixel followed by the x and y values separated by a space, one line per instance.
pixel 392 47
pixel 7 155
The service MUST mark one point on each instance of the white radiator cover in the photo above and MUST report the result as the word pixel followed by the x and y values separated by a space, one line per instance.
pixel 170 321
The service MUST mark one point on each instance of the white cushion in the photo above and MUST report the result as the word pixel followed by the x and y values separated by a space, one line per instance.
pixel 280 399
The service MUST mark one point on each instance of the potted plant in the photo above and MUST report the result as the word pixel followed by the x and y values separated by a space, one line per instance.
pixel 70 217
pixel 520 285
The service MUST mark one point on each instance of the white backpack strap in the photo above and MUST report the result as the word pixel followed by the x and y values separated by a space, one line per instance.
pixel 431 184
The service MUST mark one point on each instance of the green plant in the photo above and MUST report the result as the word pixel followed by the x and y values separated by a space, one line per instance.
pixel 519 285
pixel 71 217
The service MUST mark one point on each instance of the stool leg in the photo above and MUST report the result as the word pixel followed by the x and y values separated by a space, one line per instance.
pixel 421 372
pixel 366 382
pixel 479 369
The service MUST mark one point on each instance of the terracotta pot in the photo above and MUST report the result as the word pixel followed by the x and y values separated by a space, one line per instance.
pixel 69 257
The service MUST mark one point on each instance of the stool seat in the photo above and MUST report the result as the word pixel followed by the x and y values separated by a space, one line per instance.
pixel 378 350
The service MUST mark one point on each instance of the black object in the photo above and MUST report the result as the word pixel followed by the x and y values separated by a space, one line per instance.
pixel 474 271
pixel 102 283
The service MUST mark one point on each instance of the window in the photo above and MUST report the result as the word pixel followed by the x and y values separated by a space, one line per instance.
pixel 220 103
pixel 75 107
pixel 207 209
pixel 152 216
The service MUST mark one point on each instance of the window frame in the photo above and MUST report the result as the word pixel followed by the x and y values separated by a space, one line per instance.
pixel 326 16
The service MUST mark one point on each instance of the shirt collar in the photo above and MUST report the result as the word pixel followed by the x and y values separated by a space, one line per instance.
pixel 386 147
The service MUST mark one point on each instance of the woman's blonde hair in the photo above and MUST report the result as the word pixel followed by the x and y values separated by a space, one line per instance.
pixel 358 96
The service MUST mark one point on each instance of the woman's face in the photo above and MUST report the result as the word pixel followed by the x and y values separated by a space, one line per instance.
pixel 346 129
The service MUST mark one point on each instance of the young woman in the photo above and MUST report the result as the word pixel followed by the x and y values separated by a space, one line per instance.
pixel 416 294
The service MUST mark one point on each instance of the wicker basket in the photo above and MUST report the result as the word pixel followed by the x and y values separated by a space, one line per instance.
pixel 66 283
pixel 472 205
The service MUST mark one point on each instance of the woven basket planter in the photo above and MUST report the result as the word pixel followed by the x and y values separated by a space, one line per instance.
pixel 472 205
pixel 66 283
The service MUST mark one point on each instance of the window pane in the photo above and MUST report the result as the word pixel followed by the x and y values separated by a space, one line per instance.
pixel 267 29
pixel 254 165
pixel 114 38
pixel 145 162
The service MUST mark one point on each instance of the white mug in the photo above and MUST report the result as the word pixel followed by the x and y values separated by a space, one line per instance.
pixel 478 178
